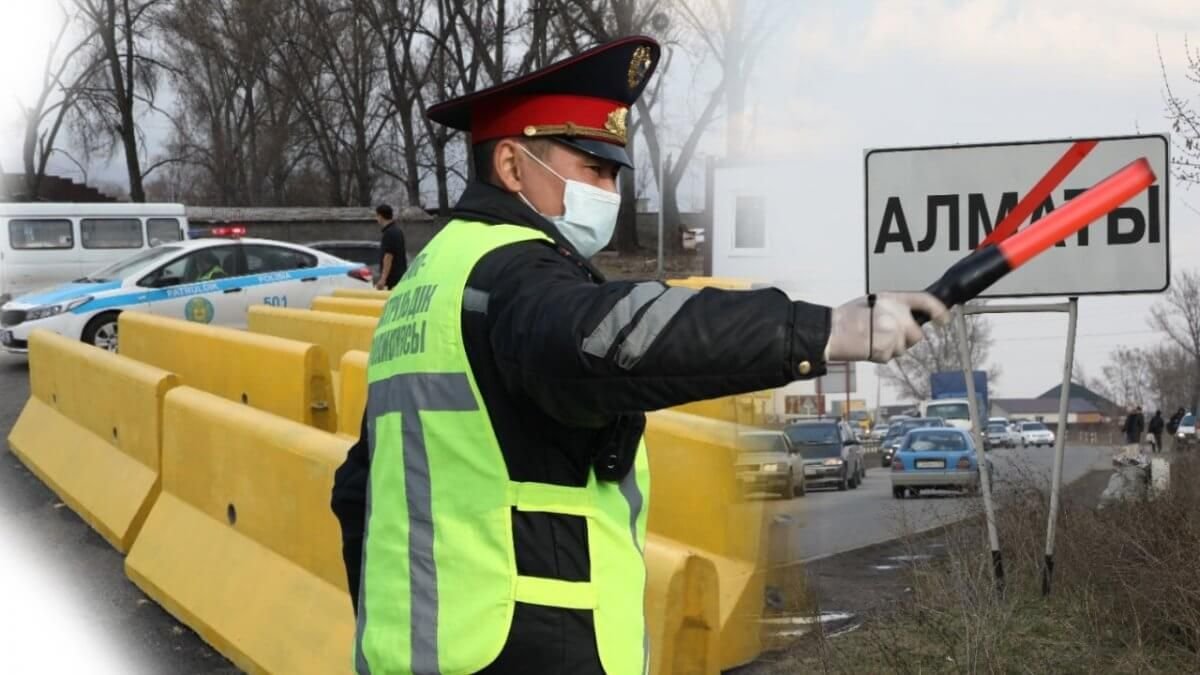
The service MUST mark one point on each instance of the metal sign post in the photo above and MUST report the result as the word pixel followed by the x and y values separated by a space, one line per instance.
pixel 1060 443
pixel 985 483
pixel 1071 307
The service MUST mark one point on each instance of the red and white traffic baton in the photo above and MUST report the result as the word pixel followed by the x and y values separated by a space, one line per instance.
pixel 972 275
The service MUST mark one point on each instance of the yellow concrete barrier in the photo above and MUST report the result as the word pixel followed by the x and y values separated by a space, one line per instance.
pixel 284 377
pixel 353 399
pixel 371 308
pixel 695 502
pixel 361 293
pixel 91 432
pixel 682 612
pixel 241 544
pixel 727 283
pixel 335 332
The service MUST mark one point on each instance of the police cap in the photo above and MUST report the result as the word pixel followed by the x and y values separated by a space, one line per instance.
pixel 582 102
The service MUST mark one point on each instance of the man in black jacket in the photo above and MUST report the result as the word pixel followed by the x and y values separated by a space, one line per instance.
pixel 1156 429
pixel 566 362
pixel 393 258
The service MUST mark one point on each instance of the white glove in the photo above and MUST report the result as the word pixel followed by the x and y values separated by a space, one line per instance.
pixel 859 332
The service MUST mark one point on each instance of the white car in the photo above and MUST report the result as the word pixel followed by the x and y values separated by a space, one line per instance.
pixel 203 280
pixel 1185 435
pixel 1036 433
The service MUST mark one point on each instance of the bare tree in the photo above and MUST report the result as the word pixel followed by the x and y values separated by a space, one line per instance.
pixel 127 82
pixel 397 24
pixel 1172 376
pixel 1178 318
pixel 329 57
pixel 62 75
pixel 235 120
pixel 938 352
pixel 1126 379
pixel 1185 119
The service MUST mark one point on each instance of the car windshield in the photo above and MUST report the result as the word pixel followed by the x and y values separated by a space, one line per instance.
pixel 134 263
pixel 997 427
pixel 1033 426
pixel 948 411
pixel 763 443
pixel 935 441
pixel 820 451
pixel 813 434
pixel 1188 421
pixel 908 425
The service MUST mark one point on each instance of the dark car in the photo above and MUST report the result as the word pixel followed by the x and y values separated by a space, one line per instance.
pixel 896 434
pixel 832 455
pixel 355 250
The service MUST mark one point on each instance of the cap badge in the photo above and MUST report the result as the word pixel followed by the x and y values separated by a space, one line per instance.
pixel 639 65
pixel 615 123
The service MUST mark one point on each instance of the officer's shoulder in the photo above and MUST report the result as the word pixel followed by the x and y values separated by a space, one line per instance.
pixel 520 260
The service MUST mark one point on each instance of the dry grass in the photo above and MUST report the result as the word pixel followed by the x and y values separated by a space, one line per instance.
pixel 1126 595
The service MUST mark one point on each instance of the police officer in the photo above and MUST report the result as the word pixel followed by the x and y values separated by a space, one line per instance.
pixel 494 509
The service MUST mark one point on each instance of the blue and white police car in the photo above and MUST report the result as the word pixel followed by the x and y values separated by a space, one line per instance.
pixel 205 280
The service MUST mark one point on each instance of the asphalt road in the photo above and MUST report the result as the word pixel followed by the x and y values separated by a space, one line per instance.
pixel 96 604
pixel 828 521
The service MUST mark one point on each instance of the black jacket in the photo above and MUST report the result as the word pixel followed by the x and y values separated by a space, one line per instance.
pixel 1176 420
pixel 1135 423
pixel 1156 424
pixel 567 380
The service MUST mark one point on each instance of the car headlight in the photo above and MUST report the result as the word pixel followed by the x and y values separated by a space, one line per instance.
pixel 770 468
pixel 43 312
pixel 47 311
pixel 832 462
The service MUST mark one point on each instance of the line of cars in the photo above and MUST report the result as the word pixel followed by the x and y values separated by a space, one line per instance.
pixel 923 454
pixel 820 452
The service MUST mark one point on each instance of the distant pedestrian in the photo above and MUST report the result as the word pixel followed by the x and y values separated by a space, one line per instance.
pixel 1135 423
pixel 1173 426
pixel 1156 430
pixel 394 261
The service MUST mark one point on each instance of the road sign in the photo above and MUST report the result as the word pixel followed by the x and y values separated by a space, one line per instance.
pixel 835 380
pixel 928 207
pixel 807 405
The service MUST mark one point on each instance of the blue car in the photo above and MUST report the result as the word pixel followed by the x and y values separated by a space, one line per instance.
pixel 935 459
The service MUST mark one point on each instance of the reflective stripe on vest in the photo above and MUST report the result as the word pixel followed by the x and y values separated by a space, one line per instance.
pixel 439 581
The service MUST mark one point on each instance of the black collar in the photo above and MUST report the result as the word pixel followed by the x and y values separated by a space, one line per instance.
pixel 486 203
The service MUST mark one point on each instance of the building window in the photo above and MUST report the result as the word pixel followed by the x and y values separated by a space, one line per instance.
pixel 111 232
pixel 750 223
pixel 40 234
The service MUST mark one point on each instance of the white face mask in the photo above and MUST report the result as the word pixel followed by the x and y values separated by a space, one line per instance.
pixel 589 213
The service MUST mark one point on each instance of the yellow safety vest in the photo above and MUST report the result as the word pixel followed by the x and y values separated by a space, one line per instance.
pixel 439 578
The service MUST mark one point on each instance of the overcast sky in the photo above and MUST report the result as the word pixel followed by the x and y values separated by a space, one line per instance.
pixel 847 76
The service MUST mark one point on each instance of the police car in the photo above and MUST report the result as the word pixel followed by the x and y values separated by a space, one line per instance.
pixel 206 280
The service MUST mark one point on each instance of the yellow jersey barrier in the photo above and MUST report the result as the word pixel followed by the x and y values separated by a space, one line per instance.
pixel 91 431
pixel 359 306
pixel 284 377
pixel 241 544
pixel 361 293
pixel 335 332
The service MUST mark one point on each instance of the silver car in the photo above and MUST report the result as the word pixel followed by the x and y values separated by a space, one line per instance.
pixel 832 454
pixel 768 462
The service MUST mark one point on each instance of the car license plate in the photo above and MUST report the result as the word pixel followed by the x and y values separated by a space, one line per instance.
pixel 931 464
pixel 810 471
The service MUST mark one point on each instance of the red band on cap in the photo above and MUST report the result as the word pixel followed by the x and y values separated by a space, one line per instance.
pixel 510 116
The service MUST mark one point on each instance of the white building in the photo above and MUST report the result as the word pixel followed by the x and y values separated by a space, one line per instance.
pixel 762 231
